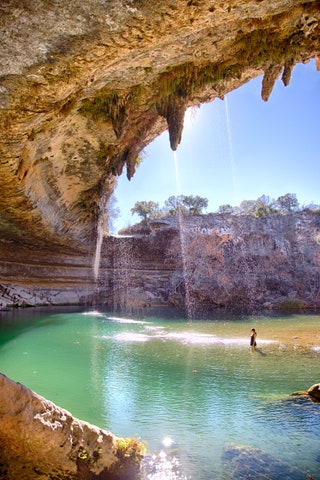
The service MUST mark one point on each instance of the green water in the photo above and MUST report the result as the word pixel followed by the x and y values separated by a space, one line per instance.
pixel 196 383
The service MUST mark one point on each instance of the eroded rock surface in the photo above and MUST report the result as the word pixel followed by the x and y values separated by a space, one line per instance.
pixel 85 85
pixel 39 440
pixel 241 263
pixel 199 263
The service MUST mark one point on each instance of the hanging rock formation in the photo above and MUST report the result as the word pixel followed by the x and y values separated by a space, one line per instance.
pixel 86 85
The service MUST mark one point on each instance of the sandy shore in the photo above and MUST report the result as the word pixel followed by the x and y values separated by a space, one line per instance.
pixel 294 337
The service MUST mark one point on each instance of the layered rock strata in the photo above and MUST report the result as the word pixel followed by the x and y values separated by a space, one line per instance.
pixel 197 263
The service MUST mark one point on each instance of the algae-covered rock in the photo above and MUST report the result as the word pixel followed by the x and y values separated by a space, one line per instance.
pixel 243 463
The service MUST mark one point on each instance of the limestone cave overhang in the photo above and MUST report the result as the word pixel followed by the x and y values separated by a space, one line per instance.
pixel 86 85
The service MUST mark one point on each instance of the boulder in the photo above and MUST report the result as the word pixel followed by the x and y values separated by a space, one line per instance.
pixel 314 392
pixel 242 463
pixel 39 440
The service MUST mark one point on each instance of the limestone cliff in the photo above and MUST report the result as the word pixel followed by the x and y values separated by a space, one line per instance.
pixel 200 263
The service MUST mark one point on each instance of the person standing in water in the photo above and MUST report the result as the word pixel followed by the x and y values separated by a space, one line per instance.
pixel 253 338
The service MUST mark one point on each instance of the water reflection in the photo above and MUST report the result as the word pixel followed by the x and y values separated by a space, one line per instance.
pixel 188 388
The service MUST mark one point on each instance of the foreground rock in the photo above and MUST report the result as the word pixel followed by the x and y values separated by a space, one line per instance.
pixel 39 440
pixel 242 463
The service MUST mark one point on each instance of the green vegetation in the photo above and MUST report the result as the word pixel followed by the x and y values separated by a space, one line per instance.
pixel 292 305
pixel 194 205
pixel 130 448
pixel 185 204
pixel 112 105
pixel 182 204
pixel 265 206
pixel 146 210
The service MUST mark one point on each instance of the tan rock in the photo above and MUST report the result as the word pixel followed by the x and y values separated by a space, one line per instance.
pixel 85 85
pixel 40 440
pixel 314 392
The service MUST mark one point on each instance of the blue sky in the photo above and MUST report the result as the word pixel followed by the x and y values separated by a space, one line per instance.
pixel 236 149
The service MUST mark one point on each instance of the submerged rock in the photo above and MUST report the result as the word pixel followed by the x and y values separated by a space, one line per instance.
pixel 39 440
pixel 242 463
pixel 314 392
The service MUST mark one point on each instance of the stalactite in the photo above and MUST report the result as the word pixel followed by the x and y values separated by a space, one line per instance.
pixel 173 110
pixel 287 71
pixel 270 77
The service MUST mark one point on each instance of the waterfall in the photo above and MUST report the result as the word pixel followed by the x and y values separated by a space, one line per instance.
pixel 230 145
pixel 123 273
pixel 183 247
pixel 97 256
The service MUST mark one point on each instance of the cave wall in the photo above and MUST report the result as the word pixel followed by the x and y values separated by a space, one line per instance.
pixel 196 264
pixel 85 86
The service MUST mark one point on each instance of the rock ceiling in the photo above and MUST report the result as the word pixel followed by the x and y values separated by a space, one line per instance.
pixel 86 85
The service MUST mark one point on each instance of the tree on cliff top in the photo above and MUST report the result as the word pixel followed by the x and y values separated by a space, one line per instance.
pixel 264 206
pixel 185 204
pixel 288 202
pixel 146 210
pixel 174 205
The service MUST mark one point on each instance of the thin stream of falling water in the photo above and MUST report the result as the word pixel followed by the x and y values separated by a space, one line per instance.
pixel 230 145
pixel 182 243
pixel 97 256
pixel 243 247
pixel 122 274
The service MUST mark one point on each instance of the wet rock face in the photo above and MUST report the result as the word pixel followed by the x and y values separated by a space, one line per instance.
pixel 240 263
pixel 86 85
pixel 243 263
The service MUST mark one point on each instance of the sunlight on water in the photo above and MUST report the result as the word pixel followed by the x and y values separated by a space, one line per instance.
pixel 192 338
pixel 201 339
pixel 93 313
pixel 126 320
pixel 189 389
pixel 132 337
pixel 163 467
pixel 167 442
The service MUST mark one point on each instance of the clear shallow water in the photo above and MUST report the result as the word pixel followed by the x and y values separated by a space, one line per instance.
pixel 184 387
